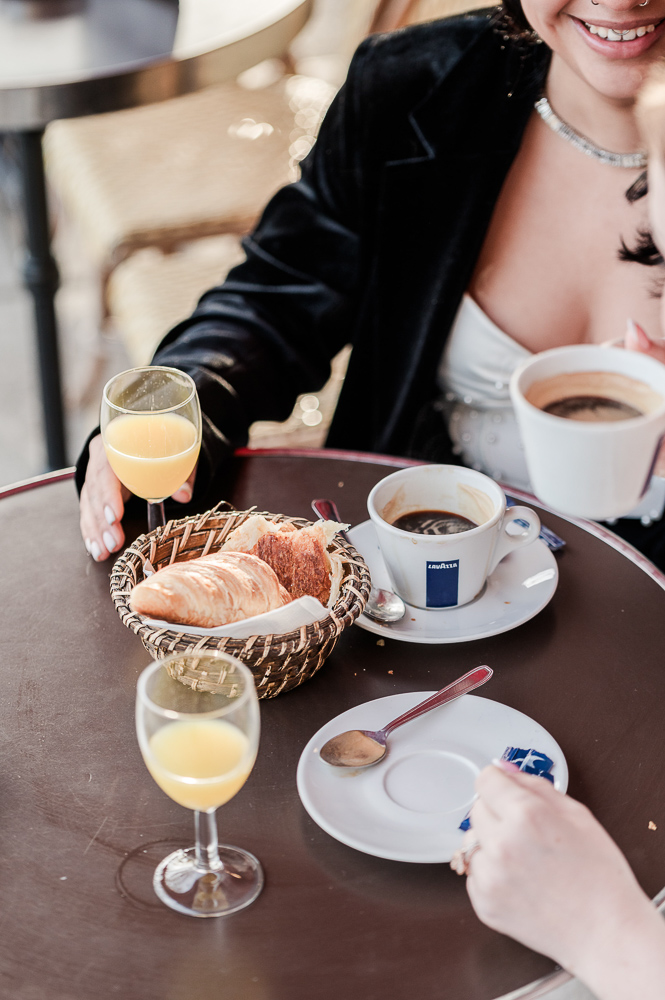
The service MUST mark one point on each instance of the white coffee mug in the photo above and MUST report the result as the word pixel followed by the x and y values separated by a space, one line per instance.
pixel 445 571
pixel 595 470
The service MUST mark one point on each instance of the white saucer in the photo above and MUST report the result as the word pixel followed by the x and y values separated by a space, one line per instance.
pixel 521 585
pixel 409 807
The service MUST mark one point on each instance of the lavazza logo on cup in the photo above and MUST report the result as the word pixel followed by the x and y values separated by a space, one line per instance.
pixel 442 530
pixel 443 584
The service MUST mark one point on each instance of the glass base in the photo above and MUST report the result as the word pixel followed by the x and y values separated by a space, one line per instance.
pixel 187 887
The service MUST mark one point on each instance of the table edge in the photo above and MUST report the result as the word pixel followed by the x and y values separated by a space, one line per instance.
pixel 30 484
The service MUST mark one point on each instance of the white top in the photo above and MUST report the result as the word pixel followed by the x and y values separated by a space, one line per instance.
pixel 474 376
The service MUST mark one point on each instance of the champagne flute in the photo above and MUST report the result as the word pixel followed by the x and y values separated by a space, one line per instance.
pixel 200 748
pixel 151 428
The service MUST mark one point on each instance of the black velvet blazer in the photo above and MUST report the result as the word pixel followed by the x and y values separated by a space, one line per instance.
pixel 374 246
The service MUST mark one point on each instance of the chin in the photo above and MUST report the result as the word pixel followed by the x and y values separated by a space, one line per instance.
pixel 620 83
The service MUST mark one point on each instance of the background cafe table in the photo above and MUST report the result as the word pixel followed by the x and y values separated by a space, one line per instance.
pixel 66 58
pixel 82 824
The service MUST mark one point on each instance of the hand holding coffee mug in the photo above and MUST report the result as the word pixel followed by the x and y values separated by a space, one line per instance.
pixel 442 530
pixel 592 420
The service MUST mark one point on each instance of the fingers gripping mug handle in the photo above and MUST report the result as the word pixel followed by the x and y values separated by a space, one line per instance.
pixel 507 543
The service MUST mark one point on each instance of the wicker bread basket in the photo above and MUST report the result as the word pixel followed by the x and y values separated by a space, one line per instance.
pixel 278 662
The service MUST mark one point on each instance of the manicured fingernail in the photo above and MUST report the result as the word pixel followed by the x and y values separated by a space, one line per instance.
pixel 95 551
pixel 636 338
pixel 109 541
pixel 184 494
pixel 109 515
pixel 505 765
pixel 88 546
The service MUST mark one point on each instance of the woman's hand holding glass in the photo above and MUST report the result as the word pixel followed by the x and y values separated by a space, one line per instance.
pixel 200 748
pixel 150 441
pixel 102 504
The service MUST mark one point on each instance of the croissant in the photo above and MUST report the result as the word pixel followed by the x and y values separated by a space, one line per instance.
pixel 213 590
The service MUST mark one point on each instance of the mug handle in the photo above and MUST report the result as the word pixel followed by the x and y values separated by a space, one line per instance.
pixel 507 543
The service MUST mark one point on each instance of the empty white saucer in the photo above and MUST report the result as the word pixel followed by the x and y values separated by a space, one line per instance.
pixel 521 585
pixel 409 807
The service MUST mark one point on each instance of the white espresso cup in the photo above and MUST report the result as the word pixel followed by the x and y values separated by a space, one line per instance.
pixel 586 468
pixel 445 571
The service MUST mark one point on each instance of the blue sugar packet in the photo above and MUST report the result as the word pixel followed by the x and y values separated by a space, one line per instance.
pixel 529 761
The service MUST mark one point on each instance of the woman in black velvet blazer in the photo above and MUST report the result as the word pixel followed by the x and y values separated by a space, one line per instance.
pixel 398 212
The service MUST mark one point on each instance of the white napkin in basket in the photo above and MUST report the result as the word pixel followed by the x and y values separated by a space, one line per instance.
pixel 291 616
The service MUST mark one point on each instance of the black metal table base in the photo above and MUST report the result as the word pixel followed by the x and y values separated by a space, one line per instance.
pixel 41 278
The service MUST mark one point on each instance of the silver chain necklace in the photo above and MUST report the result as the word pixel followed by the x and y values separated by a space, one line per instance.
pixel 630 160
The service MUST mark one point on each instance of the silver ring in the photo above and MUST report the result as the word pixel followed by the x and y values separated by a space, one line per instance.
pixel 461 859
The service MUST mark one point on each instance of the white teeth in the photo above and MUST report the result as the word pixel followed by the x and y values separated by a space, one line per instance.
pixel 613 35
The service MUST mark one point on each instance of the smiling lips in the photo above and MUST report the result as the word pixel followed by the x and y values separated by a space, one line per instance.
pixel 614 35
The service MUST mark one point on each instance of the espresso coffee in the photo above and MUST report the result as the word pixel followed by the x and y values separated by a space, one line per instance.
pixel 594 397
pixel 434 522
pixel 592 408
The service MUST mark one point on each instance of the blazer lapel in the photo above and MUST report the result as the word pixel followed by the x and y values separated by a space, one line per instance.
pixel 435 207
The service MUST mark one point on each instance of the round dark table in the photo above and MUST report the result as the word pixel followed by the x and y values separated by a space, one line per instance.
pixel 82 824
pixel 66 58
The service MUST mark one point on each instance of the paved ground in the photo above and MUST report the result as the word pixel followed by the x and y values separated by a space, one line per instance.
pixel 90 354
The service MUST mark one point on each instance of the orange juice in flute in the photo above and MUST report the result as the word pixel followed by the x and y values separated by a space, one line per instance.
pixel 151 428
pixel 200 748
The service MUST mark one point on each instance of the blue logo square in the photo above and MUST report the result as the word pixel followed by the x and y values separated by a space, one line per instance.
pixel 442 583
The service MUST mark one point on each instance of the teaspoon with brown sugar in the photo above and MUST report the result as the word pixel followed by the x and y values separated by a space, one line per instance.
pixel 362 748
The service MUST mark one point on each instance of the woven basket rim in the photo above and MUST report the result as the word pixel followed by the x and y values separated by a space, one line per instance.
pixel 348 606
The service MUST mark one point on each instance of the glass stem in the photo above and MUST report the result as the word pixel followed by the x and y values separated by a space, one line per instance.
pixel 156 515
pixel 207 853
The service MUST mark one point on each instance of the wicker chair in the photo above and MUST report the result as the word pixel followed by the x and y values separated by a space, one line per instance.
pixel 194 166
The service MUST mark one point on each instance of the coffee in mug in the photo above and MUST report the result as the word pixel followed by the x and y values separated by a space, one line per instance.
pixel 434 522
pixel 592 420
pixel 594 397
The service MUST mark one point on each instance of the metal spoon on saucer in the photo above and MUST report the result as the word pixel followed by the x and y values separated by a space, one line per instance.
pixel 360 748
pixel 382 606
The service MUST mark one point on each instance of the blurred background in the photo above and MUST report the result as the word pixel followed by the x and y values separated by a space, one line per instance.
pixel 148 207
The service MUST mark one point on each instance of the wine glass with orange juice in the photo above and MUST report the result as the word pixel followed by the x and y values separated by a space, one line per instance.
pixel 200 748
pixel 151 429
